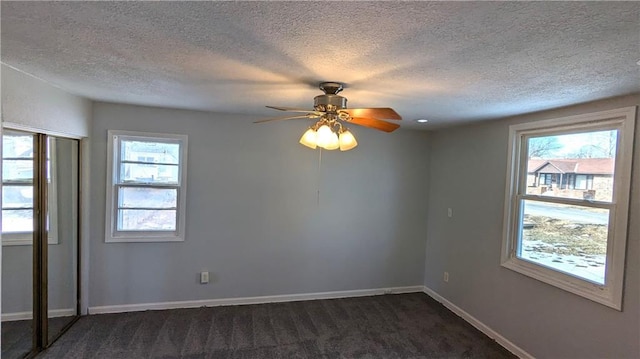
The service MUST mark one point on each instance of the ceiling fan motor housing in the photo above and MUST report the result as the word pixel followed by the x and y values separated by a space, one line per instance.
pixel 329 103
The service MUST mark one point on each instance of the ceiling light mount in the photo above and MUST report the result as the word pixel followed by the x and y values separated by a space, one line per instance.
pixel 331 88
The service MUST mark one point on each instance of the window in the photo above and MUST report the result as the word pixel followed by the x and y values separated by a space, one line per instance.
pixel 147 187
pixel 17 189
pixel 546 178
pixel 571 235
pixel 583 182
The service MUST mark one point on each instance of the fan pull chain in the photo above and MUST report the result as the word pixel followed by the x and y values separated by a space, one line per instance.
pixel 319 174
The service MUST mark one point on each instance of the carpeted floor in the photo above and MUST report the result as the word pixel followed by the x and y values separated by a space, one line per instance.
pixel 17 337
pixel 387 326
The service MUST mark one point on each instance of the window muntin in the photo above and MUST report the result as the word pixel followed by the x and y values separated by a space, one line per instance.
pixel 147 188
pixel 553 229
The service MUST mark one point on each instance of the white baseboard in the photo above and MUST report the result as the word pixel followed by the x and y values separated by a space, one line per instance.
pixel 516 350
pixel 252 300
pixel 54 313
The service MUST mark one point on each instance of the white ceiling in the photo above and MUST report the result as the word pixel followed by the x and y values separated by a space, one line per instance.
pixel 449 62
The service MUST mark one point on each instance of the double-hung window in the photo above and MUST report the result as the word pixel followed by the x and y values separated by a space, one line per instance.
pixel 17 189
pixel 572 234
pixel 146 187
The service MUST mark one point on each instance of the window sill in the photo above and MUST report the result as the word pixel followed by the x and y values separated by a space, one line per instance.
pixel 592 291
pixel 143 239
pixel 22 239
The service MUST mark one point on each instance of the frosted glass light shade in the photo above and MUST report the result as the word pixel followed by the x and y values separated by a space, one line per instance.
pixel 324 136
pixel 309 139
pixel 347 141
pixel 334 142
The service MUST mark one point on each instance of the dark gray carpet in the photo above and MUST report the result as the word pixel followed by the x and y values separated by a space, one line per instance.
pixel 387 326
pixel 17 338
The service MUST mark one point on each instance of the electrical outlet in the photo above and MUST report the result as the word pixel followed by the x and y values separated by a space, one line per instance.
pixel 449 212
pixel 204 277
pixel 446 277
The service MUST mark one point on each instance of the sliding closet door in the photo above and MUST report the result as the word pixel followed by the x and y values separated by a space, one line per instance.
pixel 39 239
pixel 17 243
pixel 62 234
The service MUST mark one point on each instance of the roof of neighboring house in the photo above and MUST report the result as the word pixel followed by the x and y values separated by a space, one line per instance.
pixel 599 166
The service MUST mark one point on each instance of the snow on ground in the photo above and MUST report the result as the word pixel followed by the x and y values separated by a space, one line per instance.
pixel 589 267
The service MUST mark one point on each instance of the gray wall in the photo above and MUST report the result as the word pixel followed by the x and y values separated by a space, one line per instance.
pixel 32 103
pixel 29 103
pixel 468 169
pixel 253 218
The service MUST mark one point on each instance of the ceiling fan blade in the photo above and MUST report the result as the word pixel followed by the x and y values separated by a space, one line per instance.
pixel 292 109
pixel 310 115
pixel 374 123
pixel 385 113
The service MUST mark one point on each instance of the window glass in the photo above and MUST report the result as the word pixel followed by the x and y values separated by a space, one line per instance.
pixel 150 152
pixel 149 173
pixel 568 164
pixel 17 146
pixel 17 170
pixel 17 221
pixel 146 220
pixel 143 197
pixel 17 196
pixel 571 239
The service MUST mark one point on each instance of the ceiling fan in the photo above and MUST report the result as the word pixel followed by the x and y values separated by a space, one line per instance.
pixel 332 113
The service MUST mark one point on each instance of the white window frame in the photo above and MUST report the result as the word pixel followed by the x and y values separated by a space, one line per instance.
pixel 26 238
pixel 609 294
pixel 113 165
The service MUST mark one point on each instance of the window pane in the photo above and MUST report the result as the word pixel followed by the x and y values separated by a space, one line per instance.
pixel 579 166
pixel 133 172
pixel 146 220
pixel 17 221
pixel 17 170
pixel 17 196
pixel 154 152
pixel 17 146
pixel 570 239
pixel 148 197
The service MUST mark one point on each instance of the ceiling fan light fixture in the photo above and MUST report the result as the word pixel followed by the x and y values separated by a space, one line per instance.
pixel 324 136
pixel 332 113
pixel 334 142
pixel 310 139
pixel 347 141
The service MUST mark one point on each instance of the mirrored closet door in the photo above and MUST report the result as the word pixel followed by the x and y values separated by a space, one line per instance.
pixel 39 240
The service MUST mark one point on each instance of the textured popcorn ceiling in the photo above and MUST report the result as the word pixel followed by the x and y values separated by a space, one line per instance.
pixel 449 62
